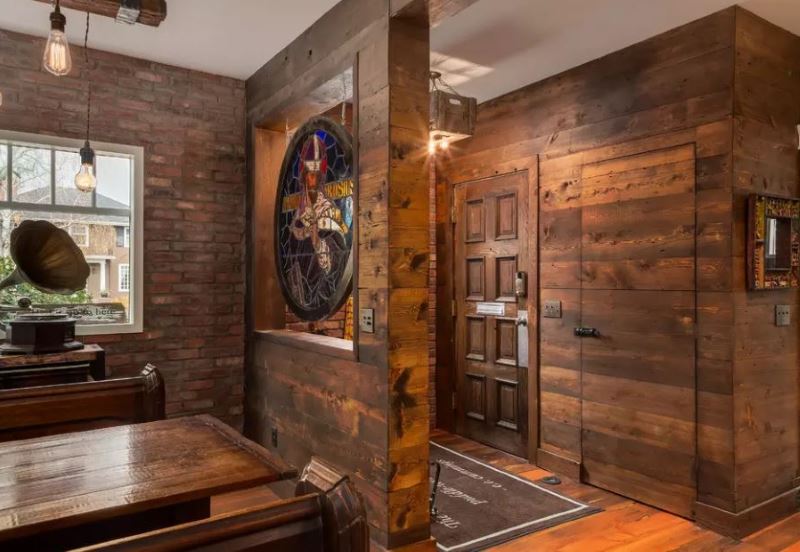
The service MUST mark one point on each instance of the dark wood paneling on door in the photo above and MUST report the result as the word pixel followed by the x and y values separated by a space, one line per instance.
pixel 637 270
pixel 491 246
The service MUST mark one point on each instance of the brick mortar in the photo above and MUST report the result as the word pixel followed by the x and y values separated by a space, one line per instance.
pixel 192 128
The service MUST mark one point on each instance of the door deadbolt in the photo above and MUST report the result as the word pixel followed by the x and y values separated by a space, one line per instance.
pixel 521 285
pixel 587 332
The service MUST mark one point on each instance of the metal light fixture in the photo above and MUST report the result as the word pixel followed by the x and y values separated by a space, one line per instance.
pixel 129 11
pixel 57 59
pixel 452 115
pixel 85 180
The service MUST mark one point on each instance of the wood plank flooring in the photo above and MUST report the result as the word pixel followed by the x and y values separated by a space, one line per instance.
pixel 623 525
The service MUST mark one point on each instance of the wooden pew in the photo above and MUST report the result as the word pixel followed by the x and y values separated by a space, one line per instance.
pixel 328 516
pixel 54 409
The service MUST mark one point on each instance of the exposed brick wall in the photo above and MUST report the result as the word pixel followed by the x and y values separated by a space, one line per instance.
pixel 333 326
pixel 192 128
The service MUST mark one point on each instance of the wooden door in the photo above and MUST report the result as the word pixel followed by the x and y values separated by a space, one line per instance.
pixel 491 247
pixel 638 290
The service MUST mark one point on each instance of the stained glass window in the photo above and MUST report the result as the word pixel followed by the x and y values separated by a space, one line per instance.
pixel 314 219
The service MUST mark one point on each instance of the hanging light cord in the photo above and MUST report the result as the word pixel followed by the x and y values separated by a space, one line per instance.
pixel 436 79
pixel 88 80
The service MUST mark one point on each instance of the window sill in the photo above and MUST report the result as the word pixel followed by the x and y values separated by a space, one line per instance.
pixel 108 329
pixel 321 344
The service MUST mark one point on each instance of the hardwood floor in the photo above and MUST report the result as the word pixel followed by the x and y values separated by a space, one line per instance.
pixel 622 525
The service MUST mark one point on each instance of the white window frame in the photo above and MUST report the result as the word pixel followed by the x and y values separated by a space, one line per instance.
pixel 126 237
pixel 136 302
pixel 119 277
pixel 84 234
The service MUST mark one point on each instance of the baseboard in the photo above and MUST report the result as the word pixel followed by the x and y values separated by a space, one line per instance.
pixel 740 524
pixel 422 546
pixel 558 464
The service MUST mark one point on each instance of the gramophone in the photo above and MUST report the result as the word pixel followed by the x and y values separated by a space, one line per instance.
pixel 48 259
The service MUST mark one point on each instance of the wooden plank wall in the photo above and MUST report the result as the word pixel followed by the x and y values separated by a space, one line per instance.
pixel 322 404
pixel 728 84
pixel 765 159
pixel 673 89
pixel 364 409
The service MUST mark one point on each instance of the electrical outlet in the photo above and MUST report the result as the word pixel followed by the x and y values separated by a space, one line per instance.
pixel 552 309
pixel 275 437
pixel 366 320
pixel 783 315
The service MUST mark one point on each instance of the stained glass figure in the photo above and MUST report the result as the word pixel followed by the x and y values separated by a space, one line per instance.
pixel 314 220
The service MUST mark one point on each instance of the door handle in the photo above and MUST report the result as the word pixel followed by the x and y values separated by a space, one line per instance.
pixel 587 332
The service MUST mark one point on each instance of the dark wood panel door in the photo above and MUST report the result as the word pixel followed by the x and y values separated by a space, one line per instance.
pixel 491 247
pixel 638 274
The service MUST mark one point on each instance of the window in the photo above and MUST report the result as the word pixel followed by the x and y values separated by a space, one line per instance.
pixel 37 182
pixel 124 277
pixel 123 236
pixel 79 233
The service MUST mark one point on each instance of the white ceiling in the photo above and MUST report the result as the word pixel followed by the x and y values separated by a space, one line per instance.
pixel 496 46
pixel 230 37
pixel 490 48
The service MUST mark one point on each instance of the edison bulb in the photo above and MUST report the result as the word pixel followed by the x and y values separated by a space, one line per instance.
pixel 57 59
pixel 431 147
pixel 444 144
pixel 85 180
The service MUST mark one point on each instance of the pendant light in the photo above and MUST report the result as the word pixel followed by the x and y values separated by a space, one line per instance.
pixel 57 59
pixel 85 180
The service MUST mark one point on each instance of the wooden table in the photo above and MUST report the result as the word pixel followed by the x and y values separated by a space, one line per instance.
pixel 82 488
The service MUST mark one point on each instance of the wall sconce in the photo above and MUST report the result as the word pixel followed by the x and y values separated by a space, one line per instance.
pixel 452 115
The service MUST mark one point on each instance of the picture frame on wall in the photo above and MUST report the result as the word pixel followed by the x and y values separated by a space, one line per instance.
pixel 773 243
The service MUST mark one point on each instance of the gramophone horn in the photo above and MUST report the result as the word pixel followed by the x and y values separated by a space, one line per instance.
pixel 47 258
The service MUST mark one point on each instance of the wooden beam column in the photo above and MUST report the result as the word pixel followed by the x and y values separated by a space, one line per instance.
pixel 409 243
pixel 394 251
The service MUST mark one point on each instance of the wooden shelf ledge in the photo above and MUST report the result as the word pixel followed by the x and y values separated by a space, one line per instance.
pixel 322 344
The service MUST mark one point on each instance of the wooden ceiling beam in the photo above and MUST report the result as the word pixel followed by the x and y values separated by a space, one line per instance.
pixel 443 9
pixel 153 12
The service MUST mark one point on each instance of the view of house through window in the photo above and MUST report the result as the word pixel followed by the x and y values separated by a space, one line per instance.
pixel 37 182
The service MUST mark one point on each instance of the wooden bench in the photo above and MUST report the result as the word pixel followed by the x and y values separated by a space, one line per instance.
pixel 328 516
pixel 49 410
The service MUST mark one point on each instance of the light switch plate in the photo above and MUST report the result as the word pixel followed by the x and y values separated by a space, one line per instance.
pixel 366 320
pixel 783 315
pixel 552 309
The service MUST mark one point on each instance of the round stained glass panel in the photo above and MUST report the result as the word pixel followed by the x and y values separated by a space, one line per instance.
pixel 314 220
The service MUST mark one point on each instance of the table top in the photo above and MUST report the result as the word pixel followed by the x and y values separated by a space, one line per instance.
pixel 66 480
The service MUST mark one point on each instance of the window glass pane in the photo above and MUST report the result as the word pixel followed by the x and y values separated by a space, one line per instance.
pixel 113 182
pixel 124 277
pixel 103 238
pixel 31 174
pixel 3 172
pixel 67 165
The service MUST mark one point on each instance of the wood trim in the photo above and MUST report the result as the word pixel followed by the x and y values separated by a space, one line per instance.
pixel 322 344
pixel 266 307
pixel 551 461
pixel 445 293
pixel 740 524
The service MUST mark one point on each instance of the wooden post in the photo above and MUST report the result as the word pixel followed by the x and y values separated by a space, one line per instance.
pixel 394 252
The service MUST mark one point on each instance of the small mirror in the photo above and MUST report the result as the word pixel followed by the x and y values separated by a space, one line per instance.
pixel 773 242
pixel 778 244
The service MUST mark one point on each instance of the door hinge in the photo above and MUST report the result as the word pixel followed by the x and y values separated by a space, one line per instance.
pixel 454 400
pixel 452 307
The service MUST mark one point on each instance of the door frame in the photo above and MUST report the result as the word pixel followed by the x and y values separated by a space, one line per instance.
pixel 447 177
